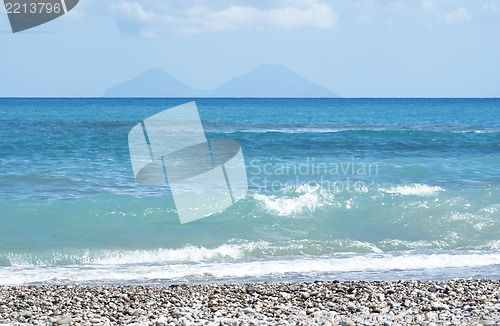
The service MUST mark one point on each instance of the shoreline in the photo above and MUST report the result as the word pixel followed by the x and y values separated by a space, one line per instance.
pixel 454 302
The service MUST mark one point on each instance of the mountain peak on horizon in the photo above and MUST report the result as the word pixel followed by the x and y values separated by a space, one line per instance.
pixel 152 83
pixel 270 66
pixel 266 80
pixel 271 80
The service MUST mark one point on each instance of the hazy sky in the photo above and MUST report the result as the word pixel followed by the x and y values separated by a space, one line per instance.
pixel 365 48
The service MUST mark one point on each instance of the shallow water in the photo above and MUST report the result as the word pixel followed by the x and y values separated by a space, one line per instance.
pixel 339 188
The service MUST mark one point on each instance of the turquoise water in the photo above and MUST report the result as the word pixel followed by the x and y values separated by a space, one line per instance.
pixel 338 188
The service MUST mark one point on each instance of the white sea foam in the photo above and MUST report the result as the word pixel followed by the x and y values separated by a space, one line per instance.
pixel 305 198
pixel 190 254
pixel 490 245
pixel 288 130
pixel 414 189
pixel 284 206
pixel 367 245
pixel 406 244
pixel 335 129
pixel 491 209
pixel 207 271
pixel 185 254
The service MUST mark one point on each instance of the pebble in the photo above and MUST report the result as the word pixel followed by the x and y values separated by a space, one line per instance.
pixel 25 314
pixel 347 322
pixel 439 306
pixel 250 289
pixel 454 302
pixel 248 311
pixel 64 320
pixel 305 295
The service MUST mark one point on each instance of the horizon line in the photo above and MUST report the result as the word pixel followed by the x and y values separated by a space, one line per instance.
pixel 229 97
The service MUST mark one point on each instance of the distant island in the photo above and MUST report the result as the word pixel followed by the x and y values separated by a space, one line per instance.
pixel 263 81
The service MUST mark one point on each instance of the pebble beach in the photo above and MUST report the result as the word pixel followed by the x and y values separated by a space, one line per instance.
pixel 454 302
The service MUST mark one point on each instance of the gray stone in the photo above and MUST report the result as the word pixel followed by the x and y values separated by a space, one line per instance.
pixel 25 313
pixel 286 295
pixel 64 320
pixel 435 288
pixel 305 295
pixel 439 306
pixel 251 289
pixel 248 311
pixel 347 322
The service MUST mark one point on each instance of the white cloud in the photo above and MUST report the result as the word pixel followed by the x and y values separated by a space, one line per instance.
pixel 434 8
pixel 492 6
pixel 459 15
pixel 152 18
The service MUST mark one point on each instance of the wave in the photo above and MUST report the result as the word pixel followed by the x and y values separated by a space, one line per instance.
pixel 289 129
pixel 118 257
pixel 187 254
pixel 269 269
pixel 309 197
pixel 444 218
pixel 234 251
pixel 414 190
pixel 304 197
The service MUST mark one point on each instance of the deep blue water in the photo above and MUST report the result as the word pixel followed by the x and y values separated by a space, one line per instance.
pixel 339 188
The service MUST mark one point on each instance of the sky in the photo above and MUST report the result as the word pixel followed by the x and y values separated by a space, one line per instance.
pixel 356 48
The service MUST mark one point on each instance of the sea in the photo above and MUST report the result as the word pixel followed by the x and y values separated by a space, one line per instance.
pixel 338 189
